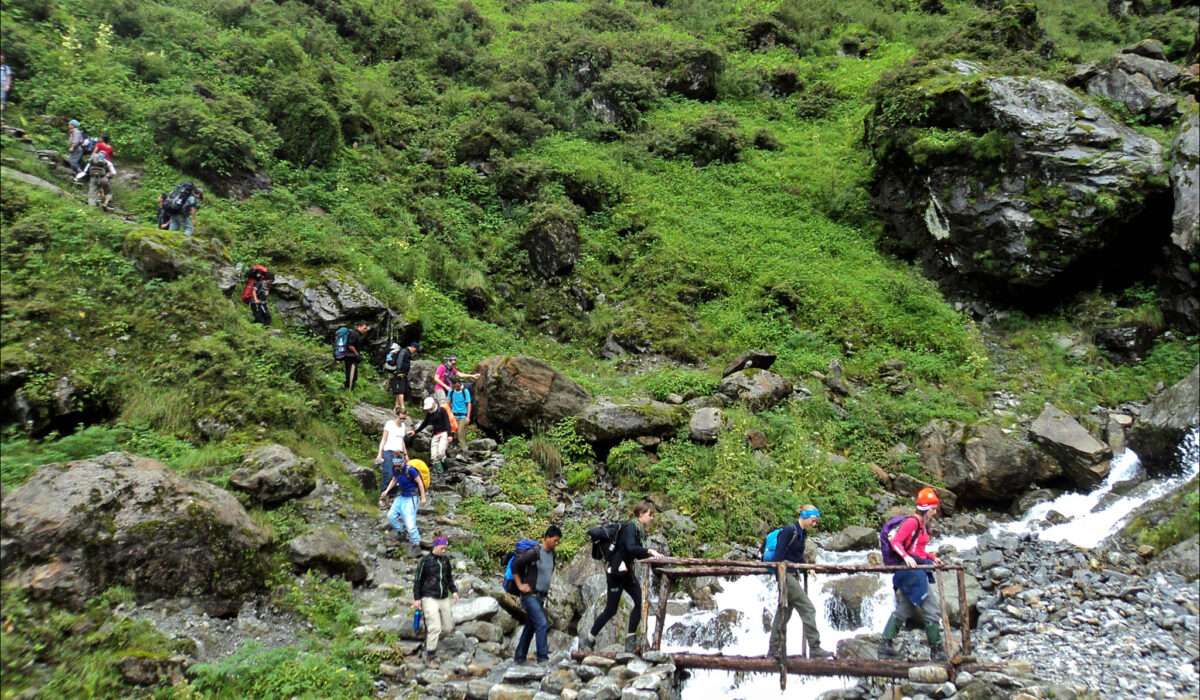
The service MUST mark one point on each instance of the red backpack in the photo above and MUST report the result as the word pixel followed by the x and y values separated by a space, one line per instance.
pixel 255 273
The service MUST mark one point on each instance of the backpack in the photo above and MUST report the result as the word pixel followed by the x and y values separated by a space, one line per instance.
pixel 341 343
pixel 890 557
pixel 772 546
pixel 256 272
pixel 423 470
pixel 176 202
pixel 523 545
pixel 393 357
pixel 604 540
pixel 88 144
pixel 450 415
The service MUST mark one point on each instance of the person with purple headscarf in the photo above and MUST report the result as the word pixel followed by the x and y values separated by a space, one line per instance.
pixel 434 593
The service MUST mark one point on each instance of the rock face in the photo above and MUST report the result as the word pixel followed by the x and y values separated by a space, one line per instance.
pixel 553 246
pixel 273 474
pixel 1156 435
pixel 605 422
pixel 705 425
pixel 371 418
pixel 335 301
pixel 758 389
pixel 1182 276
pixel 980 463
pixel 517 394
pixel 76 528
pixel 1014 186
pixel 1136 82
pixel 1083 457
pixel 330 551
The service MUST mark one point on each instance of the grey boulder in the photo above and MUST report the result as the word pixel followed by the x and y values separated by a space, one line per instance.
pixel 330 551
pixel 273 474
pixel 1159 430
pixel 758 389
pixel 1083 457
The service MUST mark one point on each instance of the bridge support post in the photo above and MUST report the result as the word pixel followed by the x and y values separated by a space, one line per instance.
pixel 664 593
pixel 781 624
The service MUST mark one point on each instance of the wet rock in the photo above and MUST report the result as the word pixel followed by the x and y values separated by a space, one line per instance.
pixel 717 632
pixel 706 425
pixel 979 222
pixel 1182 267
pixel 517 394
pixel 1160 428
pixel 853 537
pixel 1029 499
pixel 328 550
pixel 1084 458
pixel 758 389
pixel 846 597
pixel 606 422
pixel 751 358
pixel 76 528
pixel 981 463
pixel 273 474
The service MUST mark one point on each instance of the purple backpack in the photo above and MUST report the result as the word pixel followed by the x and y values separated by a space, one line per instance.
pixel 890 557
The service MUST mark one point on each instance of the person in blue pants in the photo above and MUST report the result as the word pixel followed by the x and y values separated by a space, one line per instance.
pixel 409 487
pixel 533 570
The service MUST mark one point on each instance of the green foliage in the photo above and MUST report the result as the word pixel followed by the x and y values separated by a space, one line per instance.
pixel 325 602
pixel 545 453
pixel 257 672
pixel 687 383
pixel 1167 522
pixel 571 445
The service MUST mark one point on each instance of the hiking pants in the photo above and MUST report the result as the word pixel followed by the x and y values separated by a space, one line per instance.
pixel 389 460
pixel 99 191
pixel 73 159
pixel 181 222
pixel 439 620
pixel 438 446
pixel 537 625
pixel 350 365
pixel 797 601
pixel 461 437
pixel 260 313
pixel 926 614
pixel 405 508
pixel 623 582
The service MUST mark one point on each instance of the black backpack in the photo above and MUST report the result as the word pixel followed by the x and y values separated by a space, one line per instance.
pixel 88 144
pixel 176 202
pixel 604 540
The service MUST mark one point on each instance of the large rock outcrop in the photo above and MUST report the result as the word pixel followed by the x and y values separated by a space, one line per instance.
pixel 1181 276
pixel 334 301
pixel 982 464
pixel 518 394
pixel 1083 457
pixel 1159 430
pixel 1014 187
pixel 77 528
pixel 606 423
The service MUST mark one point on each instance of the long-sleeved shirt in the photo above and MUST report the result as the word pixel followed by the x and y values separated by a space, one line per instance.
pixel 436 419
pixel 434 578
pixel 74 138
pixel 535 566
pixel 910 538
pixel 628 549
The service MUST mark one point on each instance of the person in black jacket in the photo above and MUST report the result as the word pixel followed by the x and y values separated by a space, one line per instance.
pixel 434 593
pixel 533 570
pixel 619 576
pixel 793 540
pixel 438 419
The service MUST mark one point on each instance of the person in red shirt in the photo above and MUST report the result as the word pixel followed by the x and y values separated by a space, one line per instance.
pixel 104 147
pixel 915 600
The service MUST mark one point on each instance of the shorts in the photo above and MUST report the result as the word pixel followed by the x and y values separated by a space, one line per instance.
pixel 398 385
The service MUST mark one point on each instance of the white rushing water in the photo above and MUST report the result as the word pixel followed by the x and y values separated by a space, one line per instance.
pixel 1086 526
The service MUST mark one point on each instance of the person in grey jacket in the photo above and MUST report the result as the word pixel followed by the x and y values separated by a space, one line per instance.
pixel 533 570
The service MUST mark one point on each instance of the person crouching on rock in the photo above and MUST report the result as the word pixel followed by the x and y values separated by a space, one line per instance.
pixel 619 576
pixel 407 480
pixel 434 593
pixel 533 570
pixel 915 600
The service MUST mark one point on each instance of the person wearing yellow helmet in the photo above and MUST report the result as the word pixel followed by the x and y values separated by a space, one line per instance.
pixel 907 538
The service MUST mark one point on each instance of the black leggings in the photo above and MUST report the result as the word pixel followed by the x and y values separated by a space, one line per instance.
pixel 624 581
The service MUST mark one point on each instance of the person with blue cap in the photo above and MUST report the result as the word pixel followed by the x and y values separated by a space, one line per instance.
pixel 75 137
pixel 792 540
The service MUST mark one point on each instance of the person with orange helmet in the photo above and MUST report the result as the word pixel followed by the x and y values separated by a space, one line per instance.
pixel 907 538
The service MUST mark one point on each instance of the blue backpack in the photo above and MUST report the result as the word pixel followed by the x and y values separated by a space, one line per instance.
pixel 510 584
pixel 341 343
pixel 772 549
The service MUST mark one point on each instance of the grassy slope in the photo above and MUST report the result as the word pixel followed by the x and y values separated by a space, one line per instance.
pixel 775 250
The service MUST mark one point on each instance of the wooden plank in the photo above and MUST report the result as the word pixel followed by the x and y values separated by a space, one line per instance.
pixel 781 623
pixel 964 614
pixel 645 611
pixel 948 643
pixel 664 592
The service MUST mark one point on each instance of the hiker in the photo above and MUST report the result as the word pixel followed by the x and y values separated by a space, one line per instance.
pixel 438 420
pixel 461 406
pixel 181 205
pixel 533 571
pixel 789 546
pixel 6 80
pixel 903 540
pixel 346 344
pixel 391 445
pixel 408 485
pixel 434 593
pixel 103 146
pixel 75 138
pixel 400 364
pixel 259 289
pixel 443 377
pixel 100 172
pixel 619 576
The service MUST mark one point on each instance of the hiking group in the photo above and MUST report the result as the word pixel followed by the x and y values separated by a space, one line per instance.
pixel 99 170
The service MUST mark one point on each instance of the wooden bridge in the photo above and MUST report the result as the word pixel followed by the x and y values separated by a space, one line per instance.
pixel 666 571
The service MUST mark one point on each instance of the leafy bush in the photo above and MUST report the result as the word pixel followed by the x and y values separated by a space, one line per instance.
pixel 688 383
pixel 284 672
pixel 713 138
pixel 310 129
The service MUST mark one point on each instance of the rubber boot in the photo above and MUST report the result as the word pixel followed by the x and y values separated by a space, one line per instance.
pixel 933 634
pixel 890 630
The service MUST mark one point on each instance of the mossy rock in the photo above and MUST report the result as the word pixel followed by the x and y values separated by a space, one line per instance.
pixel 169 254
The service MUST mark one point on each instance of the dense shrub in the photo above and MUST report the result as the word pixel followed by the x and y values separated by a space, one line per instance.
pixel 713 138
pixel 309 128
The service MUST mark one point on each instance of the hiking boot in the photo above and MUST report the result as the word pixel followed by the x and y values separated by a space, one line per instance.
pixel 938 655
pixel 430 659
pixel 819 653
pixel 414 550
pixel 886 650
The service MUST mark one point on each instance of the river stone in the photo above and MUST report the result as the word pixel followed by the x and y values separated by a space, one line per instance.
pixel 1156 434
pixel 606 422
pixel 1084 458
pixel 481 608
pixel 329 550
pixel 757 388
pixel 518 394
pixel 510 692
pixel 846 597
pixel 1182 558
pixel 705 425
pixel 853 537
pixel 76 528
pixel 717 632
pixel 272 474
pixel 981 463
